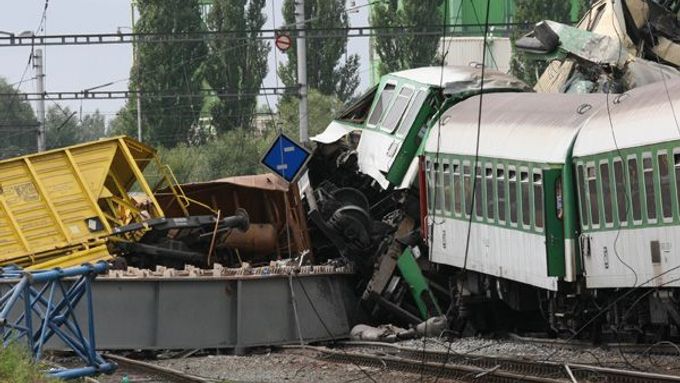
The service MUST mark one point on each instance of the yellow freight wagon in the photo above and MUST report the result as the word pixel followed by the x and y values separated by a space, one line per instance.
pixel 58 208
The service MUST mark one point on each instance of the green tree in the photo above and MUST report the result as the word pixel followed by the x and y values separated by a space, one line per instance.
pixel 61 126
pixel 322 110
pixel 409 50
pixel 170 67
pixel 18 124
pixel 530 12
pixel 64 128
pixel 236 66
pixel 235 152
pixel 324 70
pixel 92 127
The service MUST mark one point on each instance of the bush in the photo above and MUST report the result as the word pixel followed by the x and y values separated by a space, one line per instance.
pixel 234 153
pixel 17 366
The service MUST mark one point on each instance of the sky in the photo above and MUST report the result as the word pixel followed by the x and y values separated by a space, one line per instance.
pixel 74 68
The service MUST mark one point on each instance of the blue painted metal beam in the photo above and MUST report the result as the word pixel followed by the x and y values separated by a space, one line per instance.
pixel 45 296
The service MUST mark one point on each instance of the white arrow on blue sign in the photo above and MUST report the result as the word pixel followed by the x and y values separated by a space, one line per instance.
pixel 286 158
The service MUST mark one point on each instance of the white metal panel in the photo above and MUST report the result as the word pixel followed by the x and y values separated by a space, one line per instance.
pixel 606 268
pixel 468 50
pixel 521 126
pixel 642 116
pixel 440 77
pixel 372 154
pixel 506 253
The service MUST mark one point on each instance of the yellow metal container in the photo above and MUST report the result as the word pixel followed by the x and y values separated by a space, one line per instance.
pixel 57 208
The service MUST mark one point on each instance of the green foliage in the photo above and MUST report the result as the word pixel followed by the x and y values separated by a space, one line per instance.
pixel 238 151
pixel 123 124
pixel 531 11
pixel 17 366
pixel 324 70
pixel 236 66
pixel 322 109
pixel 409 50
pixel 64 128
pixel 18 124
pixel 167 68
pixel 235 152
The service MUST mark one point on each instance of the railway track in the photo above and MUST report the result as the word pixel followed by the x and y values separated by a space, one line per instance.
pixel 480 368
pixel 660 348
pixel 138 371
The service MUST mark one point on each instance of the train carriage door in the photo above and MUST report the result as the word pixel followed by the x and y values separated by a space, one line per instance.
pixel 550 180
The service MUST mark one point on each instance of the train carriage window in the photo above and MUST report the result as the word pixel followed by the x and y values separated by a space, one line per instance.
pixel 648 174
pixel 591 177
pixel 447 189
pixel 412 113
pixel 665 186
pixel 430 185
pixel 467 188
pixel 479 202
pixel 582 196
pixel 358 111
pixel 397 110
pixel 634 191
pixel 512 194
pixel 606 192
pixel 526 198
pixel 676 163
pixel 500 190
pixel 538 199
pixel 382 104
pixel 456 188
pixel 438 192
pixel 620 184
pixel 490 197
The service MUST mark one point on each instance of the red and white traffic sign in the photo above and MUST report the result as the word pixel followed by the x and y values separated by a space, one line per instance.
pixel 283 42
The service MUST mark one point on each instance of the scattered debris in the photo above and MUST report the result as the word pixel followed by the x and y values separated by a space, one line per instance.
pixel 617 46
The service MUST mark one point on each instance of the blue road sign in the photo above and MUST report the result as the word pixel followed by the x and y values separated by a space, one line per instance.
pixel 286 158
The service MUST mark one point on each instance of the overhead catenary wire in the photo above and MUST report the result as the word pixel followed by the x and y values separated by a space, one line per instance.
pixel 264 34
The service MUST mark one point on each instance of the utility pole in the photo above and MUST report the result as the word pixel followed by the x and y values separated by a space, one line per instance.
pixel 138 64
pixel 302 69
pixel 38 66
pixel 139 94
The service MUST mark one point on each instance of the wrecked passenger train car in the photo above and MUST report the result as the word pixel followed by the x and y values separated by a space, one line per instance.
pixel 561 205
pixel 531 206
pixel 363 179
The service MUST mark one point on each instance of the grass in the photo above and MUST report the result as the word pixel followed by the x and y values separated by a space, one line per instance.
pixel 17 366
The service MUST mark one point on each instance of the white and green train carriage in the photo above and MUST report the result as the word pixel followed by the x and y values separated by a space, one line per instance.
pixel 627 164
pixel 573 196
pixel 517 226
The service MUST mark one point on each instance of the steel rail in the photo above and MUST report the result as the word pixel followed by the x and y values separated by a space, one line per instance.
pixel 168 373
pixel 661 348
pixel 459 372
pixel 520 369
